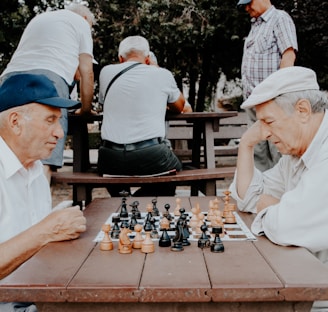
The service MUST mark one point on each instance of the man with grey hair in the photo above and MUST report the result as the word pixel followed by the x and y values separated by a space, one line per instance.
pixel 271 44
pixel 292 114
pixel 133 128
pixel 30 110
pixel 58 44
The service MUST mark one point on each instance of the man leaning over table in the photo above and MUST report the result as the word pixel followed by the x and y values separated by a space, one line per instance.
pixel 30 109
pixel 290 199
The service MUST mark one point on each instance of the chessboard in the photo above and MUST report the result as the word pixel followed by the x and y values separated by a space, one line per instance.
pixel 233 227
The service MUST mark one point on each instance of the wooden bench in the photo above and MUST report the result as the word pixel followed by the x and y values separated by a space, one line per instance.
pixel 180 133
pixel 199 179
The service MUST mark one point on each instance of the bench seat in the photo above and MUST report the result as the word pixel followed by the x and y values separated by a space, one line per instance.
pixel 198 179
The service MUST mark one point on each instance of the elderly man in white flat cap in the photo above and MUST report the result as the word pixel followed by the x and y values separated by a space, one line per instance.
pixel 292 114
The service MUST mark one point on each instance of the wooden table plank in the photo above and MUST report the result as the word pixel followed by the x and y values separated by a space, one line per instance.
pixel 241 274
pixel 108 276
pixel 48 273
pixel 288 262
pixel 170 276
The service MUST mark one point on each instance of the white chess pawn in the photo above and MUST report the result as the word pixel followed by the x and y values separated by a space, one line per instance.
pixel 106 243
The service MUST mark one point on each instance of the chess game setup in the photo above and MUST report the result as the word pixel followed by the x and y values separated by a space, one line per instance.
pixel 141 230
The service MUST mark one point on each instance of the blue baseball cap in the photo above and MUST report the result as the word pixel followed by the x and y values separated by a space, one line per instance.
pixel 243 2
pixel 23 89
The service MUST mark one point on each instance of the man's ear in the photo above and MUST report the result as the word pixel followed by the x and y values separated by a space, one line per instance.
pixel 121 59
pixel 303 108
pixel 15 122
pixel 147 60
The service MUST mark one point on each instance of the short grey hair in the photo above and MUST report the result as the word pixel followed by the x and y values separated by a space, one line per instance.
pixel 137 44
pixel 317 98
pixel 83 11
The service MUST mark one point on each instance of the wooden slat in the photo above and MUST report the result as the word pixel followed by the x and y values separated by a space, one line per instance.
pixel 185 175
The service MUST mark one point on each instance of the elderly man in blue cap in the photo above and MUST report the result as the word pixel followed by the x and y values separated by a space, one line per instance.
pixel 270 45
pixel 30 110
pixel 291 198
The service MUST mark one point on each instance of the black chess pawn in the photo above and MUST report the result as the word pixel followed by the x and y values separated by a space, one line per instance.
pixel 154 232
pixel 148 226
pixel 204 240
pixel 155 209
pixel 124 212
pixel 217 245
pixel 167 213
pixel 115 229
pixel 186 234
pixel 165 240
pixel 133 221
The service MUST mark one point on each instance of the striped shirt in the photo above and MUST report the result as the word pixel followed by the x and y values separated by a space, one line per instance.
pixel 271 34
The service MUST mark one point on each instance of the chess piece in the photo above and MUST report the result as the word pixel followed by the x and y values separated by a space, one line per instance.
pixel 154 232
pixel 186 234
pixel 217 245
pixel 116 229
pixel 178 238
pixel 200 217
pixel 133 221
pixel 138 239
pixel 204 240
pixel 210 212
pixel 155 209
pixel 147 246
pixel 165 240
pixel 148 226
pixel 230 217
pixel 167 213
pixel 164 223
pixel 106 243
pixel 124 212
pixel 194 218
pixel 177 207
pixel 125 245
pixel 226 197
pixel 149 210
pixel 135 209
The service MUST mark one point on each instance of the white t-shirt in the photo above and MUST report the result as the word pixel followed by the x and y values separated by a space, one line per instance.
pixel 135 106
pixel 53 41
pixel 25 196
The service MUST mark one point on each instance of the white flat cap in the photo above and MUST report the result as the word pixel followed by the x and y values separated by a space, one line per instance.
pixel 285 80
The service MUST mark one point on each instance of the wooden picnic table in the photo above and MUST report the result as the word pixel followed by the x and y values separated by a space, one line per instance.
pixel 248 276
pixel 205 124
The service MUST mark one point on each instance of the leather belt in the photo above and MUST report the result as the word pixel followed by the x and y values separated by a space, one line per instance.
pixel 131 146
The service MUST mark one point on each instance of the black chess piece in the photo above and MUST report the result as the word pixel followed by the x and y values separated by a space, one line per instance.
pixel 135 209
pixel 186 234
pixel 115 229
pixel 133 221
pixel 165 240
pixel 155 209
pixel 204 240
pixel 124 212
pixel 217 245
pixel 167 213
pixel 154 232
pixel 148 226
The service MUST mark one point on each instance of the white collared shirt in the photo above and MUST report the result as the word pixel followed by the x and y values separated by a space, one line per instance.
pixel 301 185
pixel 25 196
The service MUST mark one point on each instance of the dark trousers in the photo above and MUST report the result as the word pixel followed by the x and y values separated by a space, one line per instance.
pixel 150 160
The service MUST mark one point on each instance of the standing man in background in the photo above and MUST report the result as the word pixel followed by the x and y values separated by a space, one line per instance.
pixel 270 45
pixel 58 44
